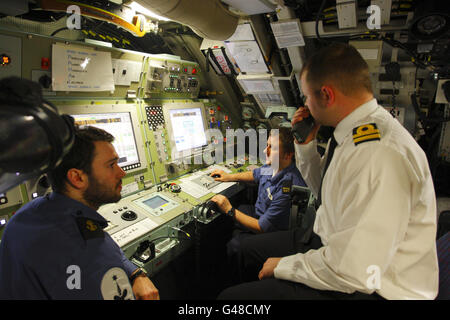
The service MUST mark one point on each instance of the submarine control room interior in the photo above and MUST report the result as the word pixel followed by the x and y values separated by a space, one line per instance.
pixel 191 91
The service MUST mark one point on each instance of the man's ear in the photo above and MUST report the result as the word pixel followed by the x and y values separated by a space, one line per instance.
pixel 327 92
pixel 77 178
pixel 289 155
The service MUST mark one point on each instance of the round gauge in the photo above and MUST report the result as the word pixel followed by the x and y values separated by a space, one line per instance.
pixel 247 113
pixel 4 60
pixel 246 126
pixel 261 126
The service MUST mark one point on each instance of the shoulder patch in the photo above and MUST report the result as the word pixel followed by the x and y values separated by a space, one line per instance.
pixel 89 229
pixel 365 133
pixel 286 186
pixel 115 285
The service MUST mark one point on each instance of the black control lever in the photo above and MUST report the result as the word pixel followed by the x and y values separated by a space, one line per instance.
pixel 143 246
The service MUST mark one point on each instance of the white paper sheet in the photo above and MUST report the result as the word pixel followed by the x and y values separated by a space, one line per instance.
pixel 193 189
pixel 248 56
pixel 81 69
pixel 134 231
pixel 256 86
pixel 196 191
pixel 288 33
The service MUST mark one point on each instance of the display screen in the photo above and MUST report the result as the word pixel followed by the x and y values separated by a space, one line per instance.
pixel 119 125
pixel 155 202
pixel 188 129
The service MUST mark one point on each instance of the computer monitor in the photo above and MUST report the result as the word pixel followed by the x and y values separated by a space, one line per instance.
pixel 186 124
pixel 119 121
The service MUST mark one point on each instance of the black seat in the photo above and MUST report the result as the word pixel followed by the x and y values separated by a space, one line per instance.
pixel 303 211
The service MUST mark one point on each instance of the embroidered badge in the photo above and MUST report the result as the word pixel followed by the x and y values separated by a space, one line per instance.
pixel 269 195
pixel 365 133
pixel 89 229
pixel 115 285
pixel 286 186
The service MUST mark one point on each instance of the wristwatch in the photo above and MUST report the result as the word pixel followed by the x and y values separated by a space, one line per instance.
pixel 231 213
pixel 139 273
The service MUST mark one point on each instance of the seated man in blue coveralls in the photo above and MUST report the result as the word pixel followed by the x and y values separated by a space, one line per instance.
pixel 272 208
pixel 54 247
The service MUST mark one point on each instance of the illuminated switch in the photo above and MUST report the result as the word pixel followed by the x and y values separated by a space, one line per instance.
pixel 45 63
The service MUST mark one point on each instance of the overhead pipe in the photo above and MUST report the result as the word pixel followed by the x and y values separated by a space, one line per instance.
pixel 208 19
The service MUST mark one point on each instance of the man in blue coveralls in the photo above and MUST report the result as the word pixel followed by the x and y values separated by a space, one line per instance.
pixel 54 247
pixel 272 208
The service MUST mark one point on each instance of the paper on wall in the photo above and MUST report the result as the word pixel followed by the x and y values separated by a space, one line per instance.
pixel 248 56
pixel 288 33
pixel 80 69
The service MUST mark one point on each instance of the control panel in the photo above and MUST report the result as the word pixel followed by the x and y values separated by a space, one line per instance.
pixel 180 79
pixel 156 204
pixel 10 198
pixel 10 56
pixel 155 116
pixel 206 181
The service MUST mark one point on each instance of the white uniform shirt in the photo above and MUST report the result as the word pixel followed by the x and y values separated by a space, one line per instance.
pixel 377 221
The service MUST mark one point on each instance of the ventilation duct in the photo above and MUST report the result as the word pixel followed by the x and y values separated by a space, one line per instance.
pixel 209 19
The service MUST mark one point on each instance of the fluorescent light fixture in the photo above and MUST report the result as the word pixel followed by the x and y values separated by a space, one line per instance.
pixel 138 8
pixel 252 7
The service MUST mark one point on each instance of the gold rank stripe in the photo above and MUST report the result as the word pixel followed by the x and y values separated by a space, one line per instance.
pixel 369 137
pixel 364 133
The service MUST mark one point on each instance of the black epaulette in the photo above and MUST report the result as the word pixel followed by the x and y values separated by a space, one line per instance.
pixel 89 229
pixel 286 186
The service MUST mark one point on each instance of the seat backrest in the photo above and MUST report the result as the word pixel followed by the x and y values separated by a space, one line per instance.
pixel 303 212
pixel 443 252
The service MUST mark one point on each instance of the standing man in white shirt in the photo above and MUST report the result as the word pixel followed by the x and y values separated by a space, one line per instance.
pixel 376 218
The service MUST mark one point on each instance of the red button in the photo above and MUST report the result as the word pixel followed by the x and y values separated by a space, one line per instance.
pixel 45 63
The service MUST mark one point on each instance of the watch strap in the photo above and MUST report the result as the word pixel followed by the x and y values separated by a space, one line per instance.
pixel 232 212
pixel 139 273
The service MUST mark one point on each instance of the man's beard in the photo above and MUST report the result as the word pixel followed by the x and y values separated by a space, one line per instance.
pixel 97 194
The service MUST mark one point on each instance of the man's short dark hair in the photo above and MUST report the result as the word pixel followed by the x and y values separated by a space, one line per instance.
pixel 286 140
pixel 341 64
pixel 80 156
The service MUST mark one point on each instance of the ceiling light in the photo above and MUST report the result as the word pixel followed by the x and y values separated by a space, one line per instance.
pixel 138 8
